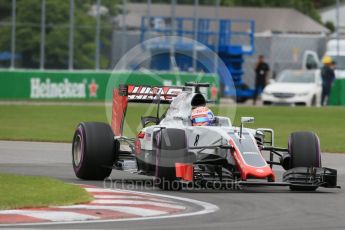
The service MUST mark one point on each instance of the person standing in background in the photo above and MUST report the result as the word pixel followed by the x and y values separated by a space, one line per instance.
pixel 261 72
pixel 328 76
pixel 334 66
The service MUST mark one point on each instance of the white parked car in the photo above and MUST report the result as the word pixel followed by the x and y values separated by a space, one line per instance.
pixel 294 87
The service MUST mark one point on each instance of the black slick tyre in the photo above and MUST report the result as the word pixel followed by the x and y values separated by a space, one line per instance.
pixel 93 150
pixel 171 149
pixel 304 148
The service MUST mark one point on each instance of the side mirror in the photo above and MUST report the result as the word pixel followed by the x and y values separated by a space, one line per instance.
pixel 247 120
pixel 148 120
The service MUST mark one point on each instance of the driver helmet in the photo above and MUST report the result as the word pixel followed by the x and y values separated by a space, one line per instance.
pixel 202 116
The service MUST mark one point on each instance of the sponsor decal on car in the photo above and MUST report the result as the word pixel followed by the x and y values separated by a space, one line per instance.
pixel 148 136
pixel 149 93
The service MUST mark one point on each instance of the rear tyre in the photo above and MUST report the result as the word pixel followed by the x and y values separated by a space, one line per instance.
pixel 171 149
pixel 304 148
pixel 93 151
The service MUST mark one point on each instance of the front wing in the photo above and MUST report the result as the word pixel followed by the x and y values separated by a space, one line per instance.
pixel 211 175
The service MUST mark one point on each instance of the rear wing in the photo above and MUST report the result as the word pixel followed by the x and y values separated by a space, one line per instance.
pixel 125 94
pixel 149 94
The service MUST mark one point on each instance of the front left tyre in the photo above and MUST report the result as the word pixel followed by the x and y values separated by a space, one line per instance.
pixel 93 150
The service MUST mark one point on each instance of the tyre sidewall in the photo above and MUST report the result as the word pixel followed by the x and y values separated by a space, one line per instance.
pixel 98 150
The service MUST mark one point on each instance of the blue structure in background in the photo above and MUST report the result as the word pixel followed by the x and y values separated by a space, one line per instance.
pixel 6 56
pixel 231 39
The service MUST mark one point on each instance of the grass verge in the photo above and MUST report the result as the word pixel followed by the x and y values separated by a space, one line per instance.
pixel 57 123
pixel 18 191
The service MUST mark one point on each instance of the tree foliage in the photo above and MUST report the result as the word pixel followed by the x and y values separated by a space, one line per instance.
pixel 28 32
pixel 28 29
pixel 5 9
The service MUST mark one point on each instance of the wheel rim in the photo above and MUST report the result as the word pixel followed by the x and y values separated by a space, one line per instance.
pixel 77 150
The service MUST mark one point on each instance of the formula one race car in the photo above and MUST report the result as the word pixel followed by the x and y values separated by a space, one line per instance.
pixel 180 150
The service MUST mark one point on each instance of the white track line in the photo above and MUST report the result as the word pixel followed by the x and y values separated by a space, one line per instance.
pixel 130 210
pixel 101 190
pixel 51 215
pixel 130 197
pixel 165 205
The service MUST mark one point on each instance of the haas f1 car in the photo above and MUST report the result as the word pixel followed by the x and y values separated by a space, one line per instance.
pixel 177 153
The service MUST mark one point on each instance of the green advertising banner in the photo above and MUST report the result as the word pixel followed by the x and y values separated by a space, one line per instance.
pixel 90 85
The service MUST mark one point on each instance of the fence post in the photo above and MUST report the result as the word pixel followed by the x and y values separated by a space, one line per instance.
pixel 13 34
pixel 43 34
pixel 217 37
pixel 196 30
pixel 173 64
pixel 98 22
pixel 124 33
pixel 71 36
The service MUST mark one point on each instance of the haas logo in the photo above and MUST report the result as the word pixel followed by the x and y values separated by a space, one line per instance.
pixel 150 93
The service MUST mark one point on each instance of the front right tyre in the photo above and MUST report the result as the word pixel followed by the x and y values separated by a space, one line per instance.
pixel 304 149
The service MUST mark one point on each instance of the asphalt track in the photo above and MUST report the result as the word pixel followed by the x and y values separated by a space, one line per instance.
pixel 252 208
